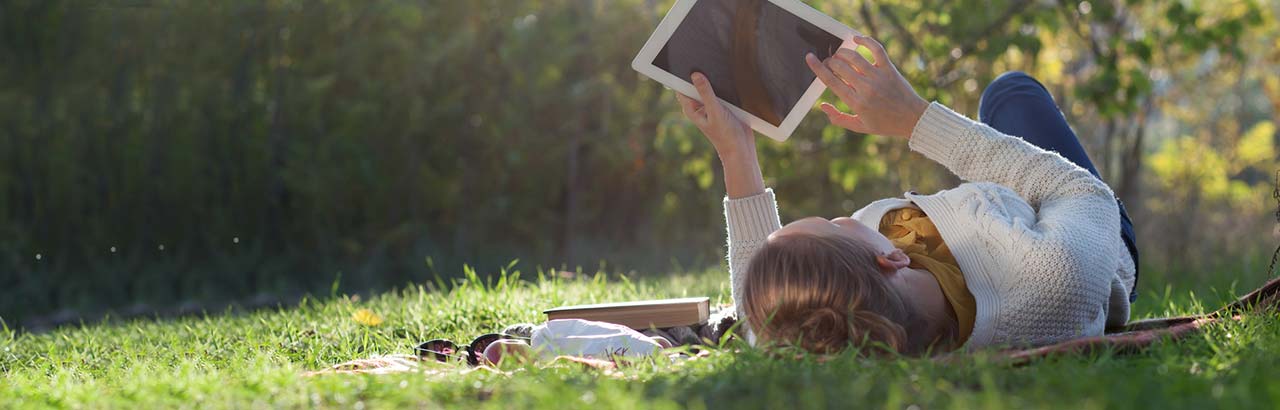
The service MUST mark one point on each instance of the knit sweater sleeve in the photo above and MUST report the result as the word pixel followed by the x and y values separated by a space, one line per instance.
pixel 977 152
pixel 749 221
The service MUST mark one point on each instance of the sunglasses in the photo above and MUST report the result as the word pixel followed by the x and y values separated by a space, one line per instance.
pixel 443 350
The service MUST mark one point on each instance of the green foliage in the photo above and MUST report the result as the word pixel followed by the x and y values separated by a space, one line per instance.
pixel 260 141
pixel 160 152
pixel 1229 181
pixel 1188 167
pixel 255 360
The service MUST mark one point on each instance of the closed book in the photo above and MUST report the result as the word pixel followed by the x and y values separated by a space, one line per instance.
pixel 642 314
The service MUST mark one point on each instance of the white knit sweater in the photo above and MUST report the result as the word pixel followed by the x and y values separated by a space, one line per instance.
pixel 1036 236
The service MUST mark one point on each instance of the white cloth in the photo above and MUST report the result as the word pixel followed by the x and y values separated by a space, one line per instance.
pixel 585 338
pixel 1036 236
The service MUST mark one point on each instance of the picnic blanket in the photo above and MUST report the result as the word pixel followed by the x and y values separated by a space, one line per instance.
pixel 403 363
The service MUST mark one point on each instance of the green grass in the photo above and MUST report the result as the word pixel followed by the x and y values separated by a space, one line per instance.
pixel 255 360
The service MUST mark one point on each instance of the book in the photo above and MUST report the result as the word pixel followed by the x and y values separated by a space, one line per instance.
pixel 642 314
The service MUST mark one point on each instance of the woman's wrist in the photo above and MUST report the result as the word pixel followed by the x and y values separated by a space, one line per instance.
pixel 736 146
pixel 916 113
pixel 740 154
pixel 742 175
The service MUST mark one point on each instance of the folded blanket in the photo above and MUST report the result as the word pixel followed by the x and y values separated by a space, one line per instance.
pixel 591 340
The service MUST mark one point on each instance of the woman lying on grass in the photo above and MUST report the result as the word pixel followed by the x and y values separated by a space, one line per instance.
pixel 1034 249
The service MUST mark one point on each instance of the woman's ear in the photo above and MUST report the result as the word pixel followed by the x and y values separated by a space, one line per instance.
pixel 893 261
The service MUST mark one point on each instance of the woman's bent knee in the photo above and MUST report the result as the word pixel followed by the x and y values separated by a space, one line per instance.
pixel 1007 85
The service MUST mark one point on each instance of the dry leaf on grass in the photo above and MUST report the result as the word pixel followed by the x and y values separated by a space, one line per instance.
pixel 366 317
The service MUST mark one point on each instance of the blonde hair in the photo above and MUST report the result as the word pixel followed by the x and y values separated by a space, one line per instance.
pixel 824 294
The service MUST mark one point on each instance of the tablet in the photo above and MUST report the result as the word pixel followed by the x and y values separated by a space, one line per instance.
pixel 753 53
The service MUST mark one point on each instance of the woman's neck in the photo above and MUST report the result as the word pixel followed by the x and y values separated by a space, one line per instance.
pixel 924 295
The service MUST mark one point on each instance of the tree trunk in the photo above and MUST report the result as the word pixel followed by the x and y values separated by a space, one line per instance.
pixel 575 148
pixel 1131 163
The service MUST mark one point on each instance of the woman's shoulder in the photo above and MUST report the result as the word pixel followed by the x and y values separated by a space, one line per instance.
pixel 871 214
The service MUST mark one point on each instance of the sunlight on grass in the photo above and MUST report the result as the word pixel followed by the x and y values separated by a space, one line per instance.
pixel 256 359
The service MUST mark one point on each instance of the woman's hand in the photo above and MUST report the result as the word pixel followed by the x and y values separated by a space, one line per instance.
pixel 733 139
pixel 729 134
pixel 882 100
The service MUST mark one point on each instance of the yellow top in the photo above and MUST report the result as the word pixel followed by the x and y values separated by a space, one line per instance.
pixel 911 231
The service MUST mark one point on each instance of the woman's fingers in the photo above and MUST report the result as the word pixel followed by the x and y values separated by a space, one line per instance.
pixel 842 90
pixel 877 50
pixel 853 58
pixel 726 132
pixel 848 74
pixel 710 105
pixel 843 119
pixel 692 109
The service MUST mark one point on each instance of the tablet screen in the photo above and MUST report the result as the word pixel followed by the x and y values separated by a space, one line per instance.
pixel 751 50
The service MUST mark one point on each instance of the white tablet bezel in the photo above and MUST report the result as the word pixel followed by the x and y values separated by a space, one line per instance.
pixel 643 63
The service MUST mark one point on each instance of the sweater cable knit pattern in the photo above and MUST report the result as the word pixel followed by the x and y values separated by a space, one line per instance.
pixel 1036 236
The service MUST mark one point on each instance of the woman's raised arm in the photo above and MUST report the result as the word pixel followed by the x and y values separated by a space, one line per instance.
pixel 887 105
pixel 750 211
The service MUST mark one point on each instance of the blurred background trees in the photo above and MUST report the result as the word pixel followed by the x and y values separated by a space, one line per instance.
pixel 158 153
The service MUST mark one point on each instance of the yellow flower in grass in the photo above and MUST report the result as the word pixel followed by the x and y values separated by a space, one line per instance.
pixel 366 317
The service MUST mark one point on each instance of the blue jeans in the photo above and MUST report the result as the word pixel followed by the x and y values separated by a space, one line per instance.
pixel 1018 105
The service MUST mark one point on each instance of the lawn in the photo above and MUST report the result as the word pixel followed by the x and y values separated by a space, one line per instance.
pixel 255 360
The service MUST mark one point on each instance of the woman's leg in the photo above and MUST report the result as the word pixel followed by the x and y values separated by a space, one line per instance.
pixel 1018 105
